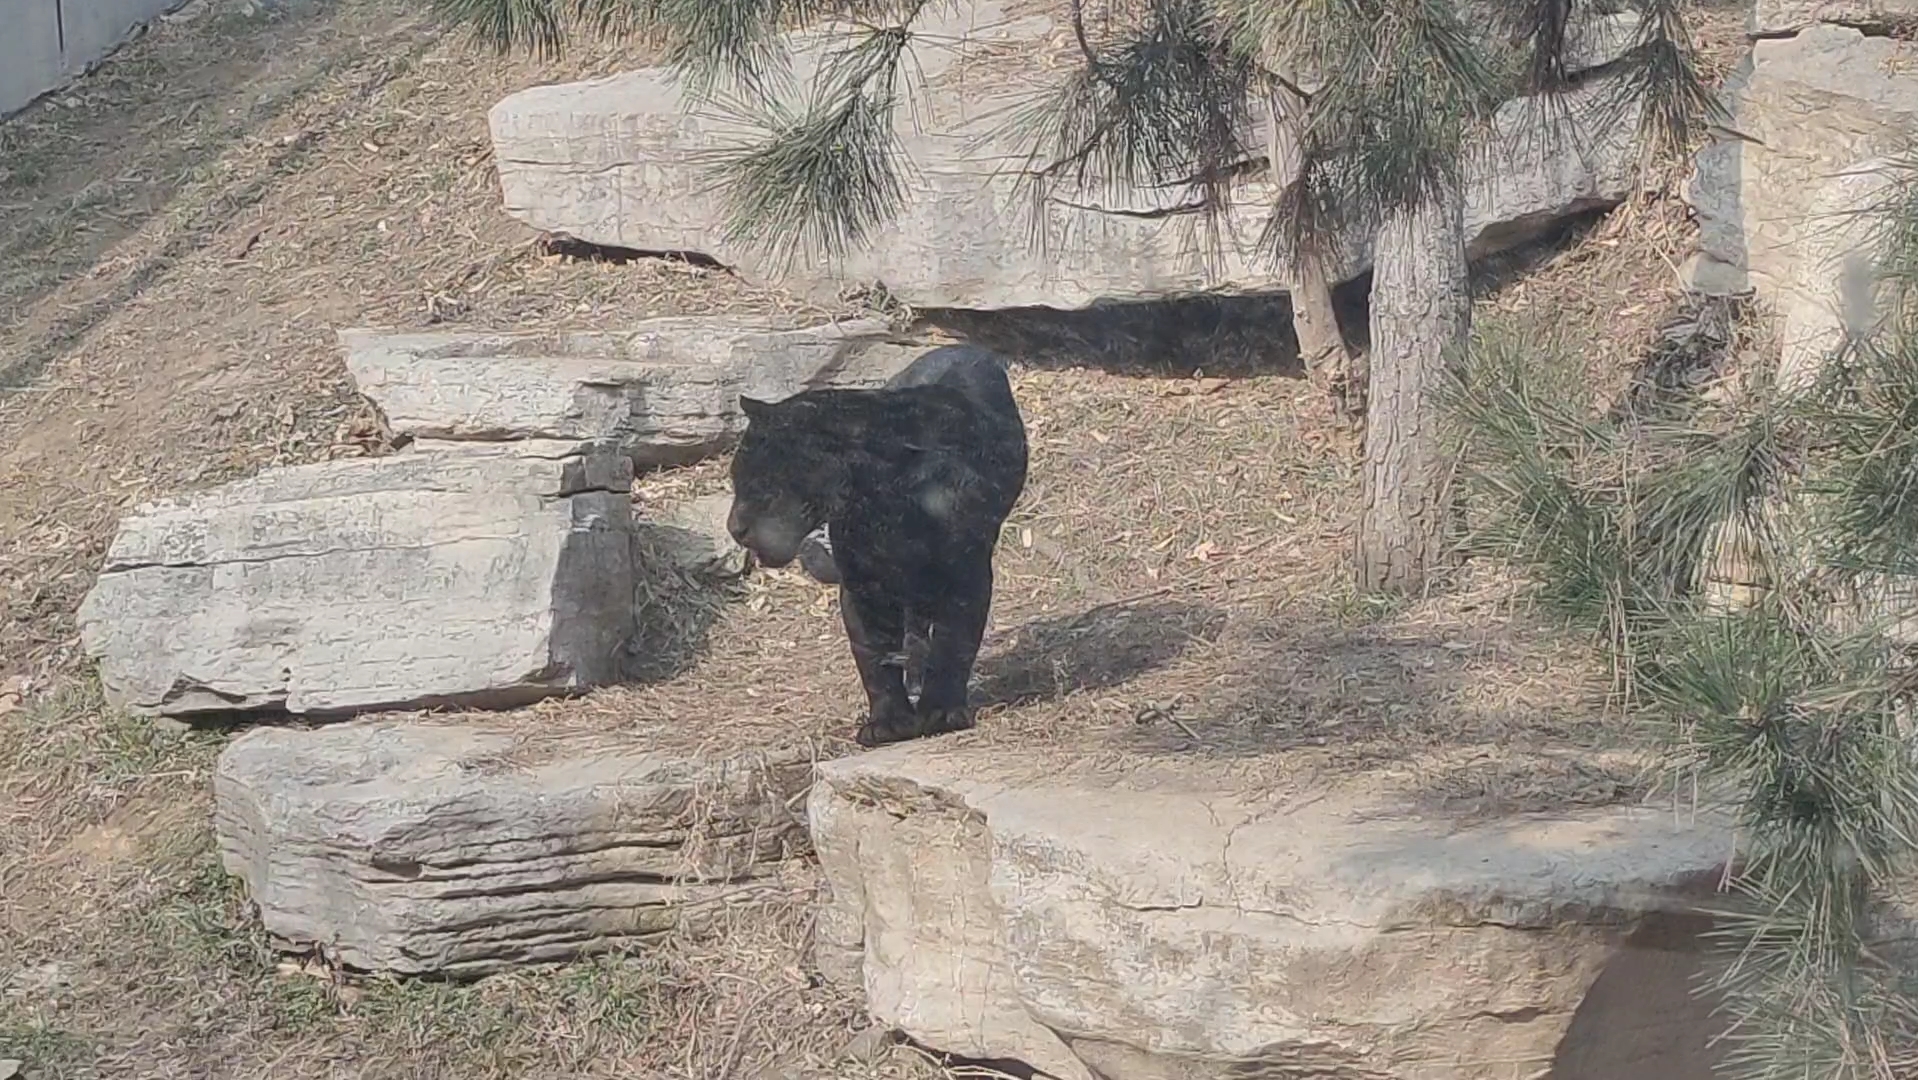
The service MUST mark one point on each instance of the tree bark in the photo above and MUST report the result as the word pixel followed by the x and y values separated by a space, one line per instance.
pixel 1421 317
pixel 1315 322
pixel 1328 363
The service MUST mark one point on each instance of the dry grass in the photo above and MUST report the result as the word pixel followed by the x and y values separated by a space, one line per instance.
pixel 180 236
pixel 129 954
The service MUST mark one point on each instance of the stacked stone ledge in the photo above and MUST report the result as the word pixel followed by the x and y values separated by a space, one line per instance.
pixel 489 563
pixel 415 847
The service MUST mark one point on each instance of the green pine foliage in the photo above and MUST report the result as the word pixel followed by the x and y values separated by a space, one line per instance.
pixel 1791 705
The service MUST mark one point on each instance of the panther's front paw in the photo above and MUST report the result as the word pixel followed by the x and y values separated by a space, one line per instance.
pixel 892 729
pixel 882 730
pixel 941 721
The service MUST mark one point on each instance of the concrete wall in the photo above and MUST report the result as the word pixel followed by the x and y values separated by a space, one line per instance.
pixel 45 43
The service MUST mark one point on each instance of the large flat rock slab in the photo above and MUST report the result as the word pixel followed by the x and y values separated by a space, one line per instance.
pixel 620 160
pixel 1135 926
pixel 665 392
pixel 419 847
pixel 486 578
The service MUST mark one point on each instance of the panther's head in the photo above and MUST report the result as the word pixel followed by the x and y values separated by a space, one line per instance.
pixel 771 517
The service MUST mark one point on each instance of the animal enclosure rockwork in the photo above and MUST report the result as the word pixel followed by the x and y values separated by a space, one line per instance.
pixel 1789 208
pixel 416 847
pixel 665 392
pixel 490 577
pixel 620 161
pixel 1776 18
pixel 1134 927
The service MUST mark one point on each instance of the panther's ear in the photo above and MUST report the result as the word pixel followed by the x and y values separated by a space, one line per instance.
pixel 753 408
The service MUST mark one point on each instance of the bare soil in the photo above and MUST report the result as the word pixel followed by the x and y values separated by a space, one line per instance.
pixel 182 233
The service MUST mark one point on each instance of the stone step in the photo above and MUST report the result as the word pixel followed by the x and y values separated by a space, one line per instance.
pixel 421 847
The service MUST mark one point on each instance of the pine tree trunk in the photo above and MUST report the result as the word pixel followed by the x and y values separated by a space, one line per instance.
pixel 1421 314
pixel 1321 347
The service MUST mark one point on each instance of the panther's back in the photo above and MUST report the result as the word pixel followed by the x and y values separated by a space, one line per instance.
pixel 996 433
pixel 978 373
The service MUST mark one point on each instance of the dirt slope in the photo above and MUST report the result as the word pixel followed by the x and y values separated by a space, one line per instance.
pixel 185 230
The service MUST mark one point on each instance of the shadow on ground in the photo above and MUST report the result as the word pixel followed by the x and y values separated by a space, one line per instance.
pixel 1096 649
pixel 677 602
pixel 1227 336
pixel 1645 1015
pixel 1471 719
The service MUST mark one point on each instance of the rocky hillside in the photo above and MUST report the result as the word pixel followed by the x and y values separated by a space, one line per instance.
pixel 187 234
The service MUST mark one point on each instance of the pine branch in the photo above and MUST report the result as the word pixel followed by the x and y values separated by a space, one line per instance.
pixel 1791 705
pixel 1898 239
pixel 535 26
pixel 1520 421
pixel 1538 28
pixel 1399 91
pixel 705 41
pixel 1167 105
pixel 708 41
pixel 1865 408
pixel 1315 212
pixel 828 176
pixel 1660 71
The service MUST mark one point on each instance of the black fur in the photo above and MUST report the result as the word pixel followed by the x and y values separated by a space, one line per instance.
pixel 913 482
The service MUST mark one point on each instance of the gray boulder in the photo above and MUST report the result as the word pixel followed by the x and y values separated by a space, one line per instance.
pixel 415 847
pixel 619 160
pixel 1779 18
pixel 665 392
pixel 486 578
pixel 1785 212
pixel 1152 921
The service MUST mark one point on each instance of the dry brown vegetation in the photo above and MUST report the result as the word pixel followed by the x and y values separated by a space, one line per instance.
pixel 182 232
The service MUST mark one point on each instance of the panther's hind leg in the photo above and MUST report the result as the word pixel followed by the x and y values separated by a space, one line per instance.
pixel 953 647
pixel 875 628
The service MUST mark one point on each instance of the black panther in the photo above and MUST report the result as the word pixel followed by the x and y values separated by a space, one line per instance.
pixel 913 482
